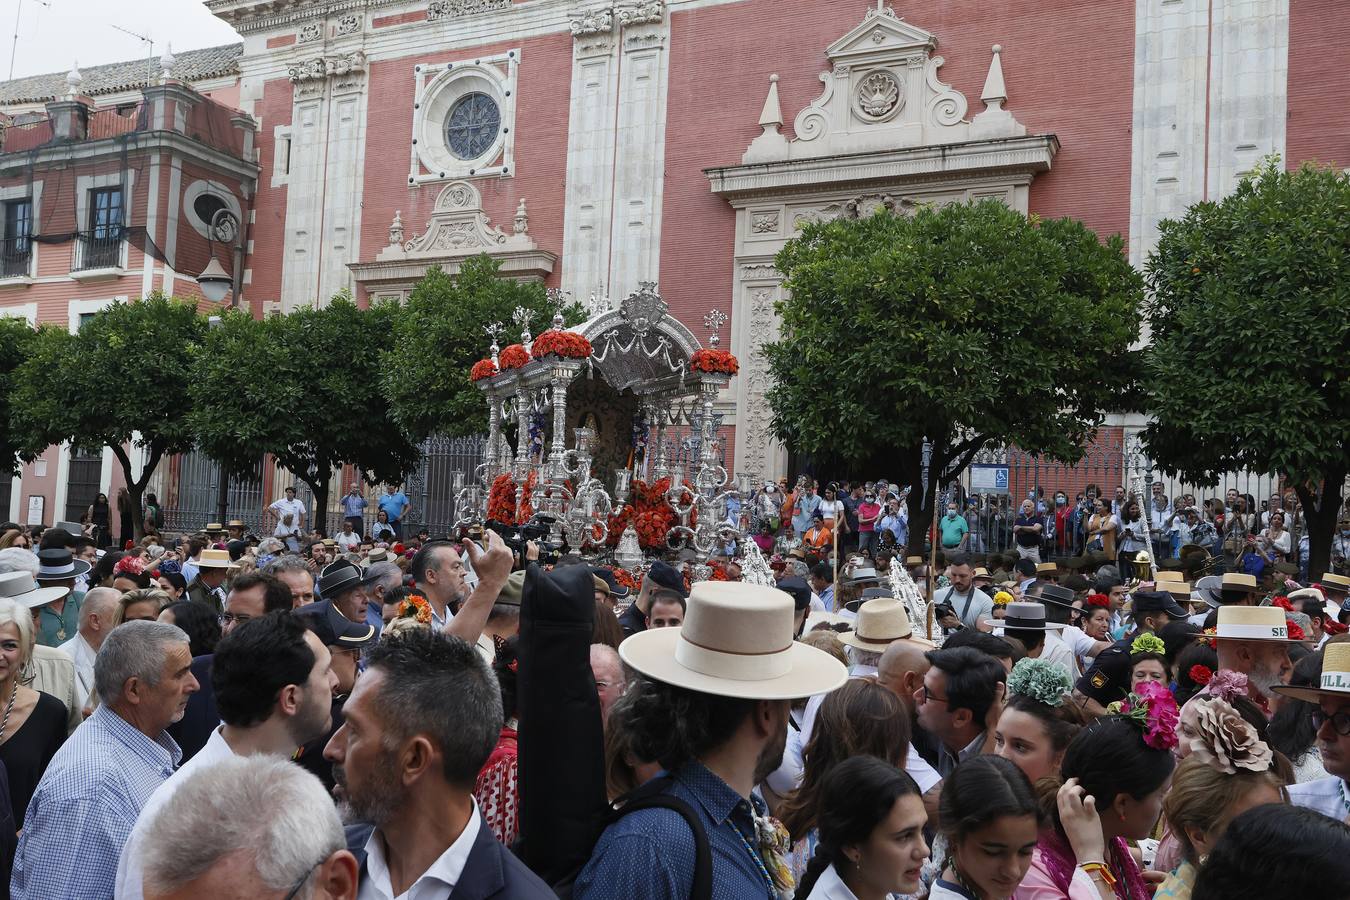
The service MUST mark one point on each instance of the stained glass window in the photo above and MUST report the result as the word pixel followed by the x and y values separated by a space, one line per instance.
pixel 473 125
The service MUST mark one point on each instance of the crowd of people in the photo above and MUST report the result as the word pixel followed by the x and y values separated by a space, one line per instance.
pixel 391 716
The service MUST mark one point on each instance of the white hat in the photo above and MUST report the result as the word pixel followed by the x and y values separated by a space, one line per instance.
pixel 23 589
pixel 1335 680
pixel 880 622
pixel 214 559
pixel 736 641
pixel 1252 623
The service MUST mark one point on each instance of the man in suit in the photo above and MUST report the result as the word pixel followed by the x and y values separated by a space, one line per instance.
pixel 420 723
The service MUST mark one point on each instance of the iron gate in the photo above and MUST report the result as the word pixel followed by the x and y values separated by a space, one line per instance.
pixel 82 481
pixel 429 489
pixel 188 489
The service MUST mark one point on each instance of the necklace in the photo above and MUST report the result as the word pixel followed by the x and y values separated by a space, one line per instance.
pixel 9 707
pixel 754 854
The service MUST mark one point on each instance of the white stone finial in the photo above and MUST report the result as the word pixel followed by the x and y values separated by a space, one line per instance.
pixel 166 63
pixel 771 144
pixel 522 221
pixel 396 229
pixel 73 81
pixel 995 93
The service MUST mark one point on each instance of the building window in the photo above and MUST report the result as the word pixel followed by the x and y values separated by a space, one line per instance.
pixel 85 319
pixel 16 250
pixel 101 244
pixel 473 125
pixel 206 206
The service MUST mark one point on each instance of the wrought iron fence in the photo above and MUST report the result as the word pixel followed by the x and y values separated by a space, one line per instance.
pixel 96 250
pixel 187 487
pixel 431 498
pixel 16 256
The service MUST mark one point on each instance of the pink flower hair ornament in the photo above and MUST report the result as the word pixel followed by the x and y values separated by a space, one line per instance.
pixel 1153 709
pixel 1227 684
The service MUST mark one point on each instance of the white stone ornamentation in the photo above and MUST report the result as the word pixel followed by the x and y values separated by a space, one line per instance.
pixel 592 21
pixel 349 24
pixel 396 229
pixel 459 227
pixel 310 32
pixel 879 95
pixel 521 225
pixel 639 12
pixel 451 9
pixel 764 223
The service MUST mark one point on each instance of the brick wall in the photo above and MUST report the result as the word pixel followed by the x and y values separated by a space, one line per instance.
pixel 1319 79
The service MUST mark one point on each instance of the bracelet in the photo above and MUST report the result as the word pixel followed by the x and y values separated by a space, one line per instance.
pixel 1101 869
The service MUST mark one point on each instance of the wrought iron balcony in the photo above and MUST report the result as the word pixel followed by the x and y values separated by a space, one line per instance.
pixel 16 257
pixel 98 249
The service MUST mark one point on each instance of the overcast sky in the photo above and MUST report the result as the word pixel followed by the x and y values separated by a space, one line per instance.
pixel 55 33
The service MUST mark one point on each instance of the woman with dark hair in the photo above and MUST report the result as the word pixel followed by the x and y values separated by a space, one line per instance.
pixel 1115 775
pixel 1196 665
pixel 201 622
pixel 172 583
pixel 1291 728
pixel 871 821
pixel 154 515
pixel 989 818
pixel 497 789
pixel 1037 724
pixel 1148 662
pixel 126 517
pixel 860 718
pixel 100 516
pixel 102 572
pixel 1278 851
pixel 1133 534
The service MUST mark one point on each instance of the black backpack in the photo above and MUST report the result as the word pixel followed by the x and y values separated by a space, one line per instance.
pixel 652 795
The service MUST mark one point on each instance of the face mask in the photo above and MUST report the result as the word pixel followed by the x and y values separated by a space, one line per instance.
pixel 1345 532
pixel 1060 501
pixel 951 510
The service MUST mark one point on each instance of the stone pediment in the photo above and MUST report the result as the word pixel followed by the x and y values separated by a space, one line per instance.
pixel 883 93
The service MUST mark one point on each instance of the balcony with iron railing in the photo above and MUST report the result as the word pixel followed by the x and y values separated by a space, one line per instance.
pixel 98 250
pixel 16 257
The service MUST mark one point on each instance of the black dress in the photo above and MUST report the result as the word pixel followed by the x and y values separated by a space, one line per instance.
pixel 28 751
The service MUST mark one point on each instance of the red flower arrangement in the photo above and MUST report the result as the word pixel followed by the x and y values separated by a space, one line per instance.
pixel 1296 632
pixel 513 357
pixel 714 361
pixel 1201 675
pixel 129 565
pixel 1098 600
pixel 627 579
pixel 484 368
pixel 1282 602
pixel 415 606
pixel 502 499
pixel 567 344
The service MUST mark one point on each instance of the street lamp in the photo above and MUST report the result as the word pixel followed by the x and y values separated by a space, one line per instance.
pixel 214 281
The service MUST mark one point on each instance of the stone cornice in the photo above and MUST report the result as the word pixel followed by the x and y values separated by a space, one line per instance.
pixel 402 274
pixel 147 141
pixel 1024 156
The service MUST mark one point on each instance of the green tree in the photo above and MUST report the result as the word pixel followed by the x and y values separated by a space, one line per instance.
pixel 443 333
pixel 968 325
pixel 1250 362
pixel 16 342
pixel 304 387
pixel 120 379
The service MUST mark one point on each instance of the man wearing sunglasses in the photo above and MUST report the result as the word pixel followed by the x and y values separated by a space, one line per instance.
pixel 1331 795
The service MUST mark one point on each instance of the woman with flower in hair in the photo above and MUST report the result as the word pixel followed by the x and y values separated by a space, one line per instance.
pixel 1037 724
pixel 1148 661
pixel 1001 601
pixel 1229 770
pixel 1115 775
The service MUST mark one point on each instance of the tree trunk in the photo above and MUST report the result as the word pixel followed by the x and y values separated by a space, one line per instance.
pixel 136 487
pixel 223 493
pixel 1321 522
pixel 319 519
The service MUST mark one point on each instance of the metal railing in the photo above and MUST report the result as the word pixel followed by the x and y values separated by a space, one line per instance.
pixel 98 250
pixel 16 257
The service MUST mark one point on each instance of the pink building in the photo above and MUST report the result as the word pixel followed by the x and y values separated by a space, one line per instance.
pixel 600 144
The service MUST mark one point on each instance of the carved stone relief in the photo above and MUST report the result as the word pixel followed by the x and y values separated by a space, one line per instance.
pixel 458 227
pixel 349 24
pixel 880 95
pixel 592 21
pixel 639 12
pixel 318 67
pixel 764 223
pixel 310 31
pixel 450 9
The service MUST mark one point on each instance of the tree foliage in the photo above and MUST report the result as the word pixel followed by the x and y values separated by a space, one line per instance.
pixel 442 333
pixel 121 378
pixel 1250 362
pixel 970 325
pixel 16 342
pixel 304 387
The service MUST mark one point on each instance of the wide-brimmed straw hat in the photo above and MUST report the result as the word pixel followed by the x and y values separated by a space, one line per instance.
pixel 1335 582
pixel 1335 680
pixel 24 590
pixel 1239 581
pixel 881 621
pixel 214 559
pixel 736 641
pixel 1252 623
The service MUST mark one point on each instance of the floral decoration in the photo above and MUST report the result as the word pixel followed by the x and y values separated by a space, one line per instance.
pixel 502 500
pixel 1148 643
pixel 1227 684
pixel 415 606
pixel 1209 637
pixel 1221 737
pixel 627 579
pixel 714 361
pixel 1041 680
pixel 129 565
pixel 1153 709
pixel 513 357
pixel 1098 600
pixel 1201 675
pixel 1002 598
pixel 1295 631
pixel 484 368
pixel 567 344
pixel 1282 602
pixel 649 514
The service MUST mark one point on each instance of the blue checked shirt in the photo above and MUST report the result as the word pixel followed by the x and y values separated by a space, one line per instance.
pixel 649 855
pixel 85 806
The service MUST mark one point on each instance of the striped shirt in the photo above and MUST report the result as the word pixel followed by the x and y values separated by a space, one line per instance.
pixel 85 806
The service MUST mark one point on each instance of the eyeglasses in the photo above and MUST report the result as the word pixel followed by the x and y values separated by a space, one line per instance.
pixel 1340 722
pixel 301 883
pixel 930 697
pixel 232 619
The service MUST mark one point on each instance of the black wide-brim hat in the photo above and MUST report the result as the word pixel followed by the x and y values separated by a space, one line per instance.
pixel 58 564
pixel 341 576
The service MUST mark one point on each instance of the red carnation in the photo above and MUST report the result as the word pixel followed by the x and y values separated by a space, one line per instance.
pixel 1099 600
pixel 567 344
pixel 513 357
pixel 714 361
pixel 484 368
pixel 1200 674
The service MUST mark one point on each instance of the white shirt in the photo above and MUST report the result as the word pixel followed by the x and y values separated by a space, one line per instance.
pixel 284 507
pixel 129 873
pixel 436 882
pixel 918 768
pixel 1330 796
pixel 348 542
pixel 79 650
pixel 1061 654
pixel 831 509
pixel 829 886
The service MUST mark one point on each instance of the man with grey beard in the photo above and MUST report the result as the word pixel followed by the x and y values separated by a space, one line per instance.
pixel 420 724
pixel 1254 640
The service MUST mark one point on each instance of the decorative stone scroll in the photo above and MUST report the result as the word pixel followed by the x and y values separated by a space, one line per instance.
pixel 319 67
pixel 452 9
